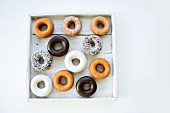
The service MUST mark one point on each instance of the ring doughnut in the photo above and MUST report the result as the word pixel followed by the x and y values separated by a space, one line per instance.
pixel 75 55
pixel 66 23
pixel 44 91
pixel 97 74
pixel 92 44
pixel 68 76
pixel 80 86
pixel 37 56
pixel 58 39
pixel 100 20
pixel 47 32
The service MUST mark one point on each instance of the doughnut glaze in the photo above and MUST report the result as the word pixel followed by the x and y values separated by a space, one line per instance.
pixel 66 23
pixel 92 49
pixel 35 60
pixel 68 76
pixel 80 86
pixel 73 55
pixel 100 20
pixel 44 91
pixel 47 32
pixel 97 74
pixel 60 52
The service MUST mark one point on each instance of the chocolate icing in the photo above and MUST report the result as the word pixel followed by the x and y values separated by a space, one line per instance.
pixel 80 86
pixel 60 52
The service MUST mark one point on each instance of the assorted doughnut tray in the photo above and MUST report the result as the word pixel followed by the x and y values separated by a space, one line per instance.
pixel 71 57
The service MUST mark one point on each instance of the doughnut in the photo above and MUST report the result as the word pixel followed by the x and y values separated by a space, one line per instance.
pixel 37 56
pixel 58 39
pixel 100 20
pixel 68 76
pixel 44 91
pixel 47 32
pixel 66 23
pixel 80 86
pixel 75 55
pixel 92 44
pixel 97 74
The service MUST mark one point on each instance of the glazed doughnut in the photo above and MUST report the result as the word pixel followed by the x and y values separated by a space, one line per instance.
pixel 100 20
pixel 58 39
pixel 92 49
pixel 68 76
pixel 73 55
pixel 80 86
pixel 66 23
pixel 44 91
pixel 97 74
pixel 48 31
pixel 36 57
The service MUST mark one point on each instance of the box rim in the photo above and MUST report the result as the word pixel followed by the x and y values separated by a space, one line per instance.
pixel 28 60
pixel 71 13
pixel 81 99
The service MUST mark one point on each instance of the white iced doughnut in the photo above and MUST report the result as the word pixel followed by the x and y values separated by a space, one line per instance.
pixel 44 91
pixel 73 55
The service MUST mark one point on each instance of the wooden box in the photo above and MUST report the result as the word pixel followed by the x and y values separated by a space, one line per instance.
pixel 106 88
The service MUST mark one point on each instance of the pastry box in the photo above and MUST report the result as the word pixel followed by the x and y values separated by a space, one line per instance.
pixel 106 88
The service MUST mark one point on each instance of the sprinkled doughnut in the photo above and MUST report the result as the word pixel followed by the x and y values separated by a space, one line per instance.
pixel 100 20
pixel 92 44
pixel 80 86
pixel 75 55
pixel 40 55
pixel 44 91
pixel 97 74
pixel 48 31
pixel 60 52
pixel 67 22
pixel 63 87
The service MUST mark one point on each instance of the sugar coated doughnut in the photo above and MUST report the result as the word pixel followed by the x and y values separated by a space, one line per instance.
pixel 100 20
pixel 66 23
pixel 57 78
pixel 44 91
pixel 58 39
pixel 97 74
pixel 92 44
pixel 48 31
pixel 75 55
pixel 80 86
pixel 41 55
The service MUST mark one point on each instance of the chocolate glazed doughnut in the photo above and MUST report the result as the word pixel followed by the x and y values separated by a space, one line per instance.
pixel 60 52
pixel 80 86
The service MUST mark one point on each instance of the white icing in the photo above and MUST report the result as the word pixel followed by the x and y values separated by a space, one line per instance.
pixel 69 64
pixel 44 91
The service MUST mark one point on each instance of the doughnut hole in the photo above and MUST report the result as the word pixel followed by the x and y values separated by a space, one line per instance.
pixel 92 44
pixel 43 27
pixel 63 80
pixel 100 68
pixel 75 61
pixel 71 25
pixel 41 84
pixel 58 46
pixel 41 60
pixel 100 25
pixel 86 86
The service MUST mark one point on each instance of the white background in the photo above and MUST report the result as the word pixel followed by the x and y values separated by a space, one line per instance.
pixel 143 54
